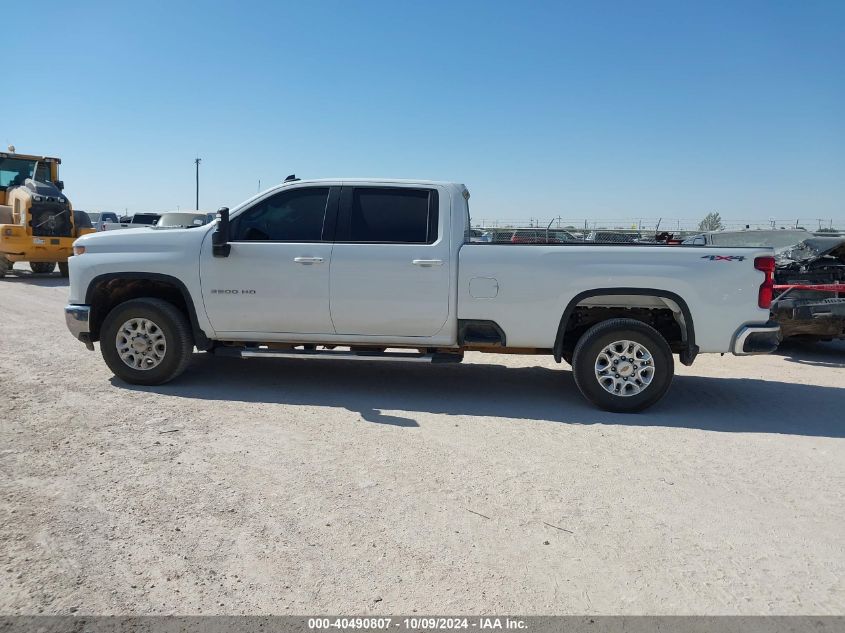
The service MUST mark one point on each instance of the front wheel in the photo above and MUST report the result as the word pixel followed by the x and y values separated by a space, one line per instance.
pixel 42 268
pixel 622 365
pixel 146 341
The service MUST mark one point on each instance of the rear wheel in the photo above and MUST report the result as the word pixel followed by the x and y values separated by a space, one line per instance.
pixel 146 341
pixel 63 269
pixel 42 268
pixel 623 365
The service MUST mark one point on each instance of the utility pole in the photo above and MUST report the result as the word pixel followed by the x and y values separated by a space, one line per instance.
pixel 197 162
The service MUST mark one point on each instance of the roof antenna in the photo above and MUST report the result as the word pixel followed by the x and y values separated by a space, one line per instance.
pixel 291 178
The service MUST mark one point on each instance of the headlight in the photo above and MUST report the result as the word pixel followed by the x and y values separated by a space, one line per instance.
pixel 78 250
pixel 37 198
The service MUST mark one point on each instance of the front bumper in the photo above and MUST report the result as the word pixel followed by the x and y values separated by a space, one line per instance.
pixel 77 318
pixel 757 339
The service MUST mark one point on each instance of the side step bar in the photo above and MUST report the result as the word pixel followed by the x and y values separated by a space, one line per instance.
pixel 396 357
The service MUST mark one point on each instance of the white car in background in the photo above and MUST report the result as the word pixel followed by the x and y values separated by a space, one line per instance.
pixel 185 219
pixel 772 238
pixel 166 220
pixel 137 221
pixel 99 219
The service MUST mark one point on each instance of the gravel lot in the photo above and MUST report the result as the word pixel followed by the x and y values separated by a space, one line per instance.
pixel 308 487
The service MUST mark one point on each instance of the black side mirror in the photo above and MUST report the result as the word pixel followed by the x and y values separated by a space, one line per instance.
pixel 60 185
pixel 220 238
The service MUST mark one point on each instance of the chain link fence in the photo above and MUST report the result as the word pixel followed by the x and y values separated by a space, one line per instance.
pixel 625 230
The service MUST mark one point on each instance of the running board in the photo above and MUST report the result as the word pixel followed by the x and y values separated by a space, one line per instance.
pixel 395 357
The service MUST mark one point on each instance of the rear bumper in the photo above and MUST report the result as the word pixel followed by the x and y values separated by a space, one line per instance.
pixel 757 339
pixel 76 318
pixel 813 318
pixel 805 309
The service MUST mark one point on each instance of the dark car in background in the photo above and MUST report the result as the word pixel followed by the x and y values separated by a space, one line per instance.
pixel 613 237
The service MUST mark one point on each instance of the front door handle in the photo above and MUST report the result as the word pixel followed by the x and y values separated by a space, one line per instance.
pixel 427 262
pixel 308 260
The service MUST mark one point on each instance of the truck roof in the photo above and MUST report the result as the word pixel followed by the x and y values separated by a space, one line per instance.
pixel 386 181
pixel 456 187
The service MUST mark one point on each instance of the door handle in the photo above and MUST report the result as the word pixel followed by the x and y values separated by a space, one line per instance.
pixel 308 260
pixel 427 262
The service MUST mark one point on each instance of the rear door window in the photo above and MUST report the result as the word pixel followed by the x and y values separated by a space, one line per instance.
pixel 391 215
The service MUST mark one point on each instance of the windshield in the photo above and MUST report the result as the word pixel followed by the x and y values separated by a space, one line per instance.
pixel 13 171
pixel 774 239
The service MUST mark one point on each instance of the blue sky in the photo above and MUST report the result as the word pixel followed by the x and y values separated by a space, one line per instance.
pixel 588 109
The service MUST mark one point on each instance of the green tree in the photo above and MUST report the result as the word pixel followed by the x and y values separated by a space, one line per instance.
pixel 711 222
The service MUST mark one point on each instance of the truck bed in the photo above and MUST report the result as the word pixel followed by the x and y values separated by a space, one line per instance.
pixel 525 288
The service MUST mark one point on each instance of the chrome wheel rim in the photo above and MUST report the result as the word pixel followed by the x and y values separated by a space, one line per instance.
pixel 141 344
pixel 624 368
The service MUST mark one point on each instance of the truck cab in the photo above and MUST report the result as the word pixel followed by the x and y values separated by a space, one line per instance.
pixel 330 245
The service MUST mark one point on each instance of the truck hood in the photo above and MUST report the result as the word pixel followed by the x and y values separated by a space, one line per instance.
pixel 143 240
pixel 812 249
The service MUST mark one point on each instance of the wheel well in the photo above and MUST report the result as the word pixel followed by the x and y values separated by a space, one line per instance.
pixel 666 313
pixel 106 293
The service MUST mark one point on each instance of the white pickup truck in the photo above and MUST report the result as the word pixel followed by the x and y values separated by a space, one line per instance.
pixel 384 270
pixel 137 221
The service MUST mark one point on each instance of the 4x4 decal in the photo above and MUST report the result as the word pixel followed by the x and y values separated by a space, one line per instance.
pixel 724 258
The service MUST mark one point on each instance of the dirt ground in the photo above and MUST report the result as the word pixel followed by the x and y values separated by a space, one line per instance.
pixel 294 487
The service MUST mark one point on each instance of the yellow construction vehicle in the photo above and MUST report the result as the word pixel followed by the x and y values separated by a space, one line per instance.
pixel 37 223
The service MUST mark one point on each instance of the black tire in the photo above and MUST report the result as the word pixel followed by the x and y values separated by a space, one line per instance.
pixel 593 344
pixel 63 269
pixel 42 268
pixel 5 266
pixel 172 324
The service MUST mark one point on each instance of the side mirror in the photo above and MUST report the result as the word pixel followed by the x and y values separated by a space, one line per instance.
pixel 60 185
pixel 220 238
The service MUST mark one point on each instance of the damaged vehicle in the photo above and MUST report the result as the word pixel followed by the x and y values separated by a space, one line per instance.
pixel 809 291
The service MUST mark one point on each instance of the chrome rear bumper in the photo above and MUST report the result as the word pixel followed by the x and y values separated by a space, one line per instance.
pixel 757 339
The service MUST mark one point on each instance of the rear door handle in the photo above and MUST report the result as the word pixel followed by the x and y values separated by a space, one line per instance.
pixel 427 262
pixel 308 260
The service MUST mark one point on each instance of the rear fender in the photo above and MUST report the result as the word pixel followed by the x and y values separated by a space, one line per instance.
pixel 672 300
